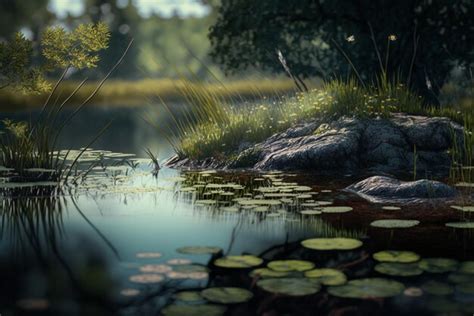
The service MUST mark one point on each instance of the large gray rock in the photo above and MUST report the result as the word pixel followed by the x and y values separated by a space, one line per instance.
pixel 351 146
pixel 386 189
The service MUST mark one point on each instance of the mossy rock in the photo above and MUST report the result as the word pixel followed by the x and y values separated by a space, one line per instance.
pixel 327 276
pixel 227 295
pixel 396 256
pixel 290 265
pixel 332 243
pixel 367 288
pixel 438 265
pixel 290 286
pixel 398 269
pixel 238 262
pixel 194 310
pixel 437 288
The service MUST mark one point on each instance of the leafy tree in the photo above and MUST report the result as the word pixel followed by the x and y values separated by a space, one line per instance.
pixel 59 50
pixel 418 40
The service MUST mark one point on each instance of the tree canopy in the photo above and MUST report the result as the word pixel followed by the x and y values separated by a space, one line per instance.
pixel 418 40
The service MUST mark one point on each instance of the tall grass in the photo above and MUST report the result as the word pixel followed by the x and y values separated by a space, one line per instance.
pixel 28 149
pixel 122 92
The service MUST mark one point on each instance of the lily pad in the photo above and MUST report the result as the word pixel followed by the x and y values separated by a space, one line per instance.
pixel 438 265
pixel 199 250
pixel 467 267
pixel 238 262
pixel 268 273
pixel 327 276
pixel 461 225
pixel 189 296
pixel 130 292
pixel 194 310
pixel 310 212
pixel 456 277
pixel 391 208
pixel 227 295
pixel 437 288
pixel 463 208
pixel 398 269
pixel 290 265
pixel 394 223
pixel 396 256
pixel 368 288
pixel 147 278
pixel 336 209
pixel 465 288
pixel 290 286
pixel 155 268
pixel 331 243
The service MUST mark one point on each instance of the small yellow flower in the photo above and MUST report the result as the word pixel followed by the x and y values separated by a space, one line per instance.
pixel 392 37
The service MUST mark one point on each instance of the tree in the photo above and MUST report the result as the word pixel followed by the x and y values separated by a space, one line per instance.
pixel 59 50
pixel 314 35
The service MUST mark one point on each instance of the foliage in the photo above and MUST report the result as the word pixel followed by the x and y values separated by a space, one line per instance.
pixel 417 40
pixel 32 145
pixel 60 49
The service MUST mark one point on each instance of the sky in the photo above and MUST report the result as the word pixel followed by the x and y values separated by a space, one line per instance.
pixel 145 7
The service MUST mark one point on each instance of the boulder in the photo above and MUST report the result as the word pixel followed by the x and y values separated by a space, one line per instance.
pixel 387 189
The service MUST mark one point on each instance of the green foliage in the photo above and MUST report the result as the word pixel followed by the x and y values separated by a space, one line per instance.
pixel 76 49
pixel 60 49
pixel 15 66
pixel 418 40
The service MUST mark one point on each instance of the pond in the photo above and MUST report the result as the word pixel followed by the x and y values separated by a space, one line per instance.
pixel 129 242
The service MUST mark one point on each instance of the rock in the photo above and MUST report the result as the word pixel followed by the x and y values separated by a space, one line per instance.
pixel 386 189
pixel 355 146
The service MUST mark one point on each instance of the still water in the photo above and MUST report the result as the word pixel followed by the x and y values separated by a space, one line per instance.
pixel 111 245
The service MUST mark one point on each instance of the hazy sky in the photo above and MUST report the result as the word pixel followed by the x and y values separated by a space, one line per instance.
pixel 145 7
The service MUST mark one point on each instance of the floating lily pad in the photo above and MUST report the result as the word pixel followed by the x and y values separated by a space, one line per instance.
pixel 336 209
pixel 227 295
pixel 331 243
pixel 461 225
pixel 456 277
pixel 463 208
pixel 396 256
pixel 398 269
pixel 465 288
pixel 238 262
pixel 155 268
pixel 368 288
pixel 438 265
pixel 290 286
pixel 147 278
pixel 290 265
pixel 437 288
pixel 268 273
pixel 391 208
pixel 206 202
pixel 148 255
pixel 199 250
pixel 130 292
pixel 413 292
pixel 190 268
pixel 178 261
pixel 310 212
pixel 467 267
pixel 444 306
pixel 394 223
pixel 194 310
pixel 189 296
pixel 327 276
pixel 323 203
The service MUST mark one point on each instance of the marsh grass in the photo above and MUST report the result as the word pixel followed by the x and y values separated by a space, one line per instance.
pixel 126 93
pixel 28 149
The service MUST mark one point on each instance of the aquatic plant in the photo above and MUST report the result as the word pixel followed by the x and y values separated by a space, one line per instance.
pixel 29 149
